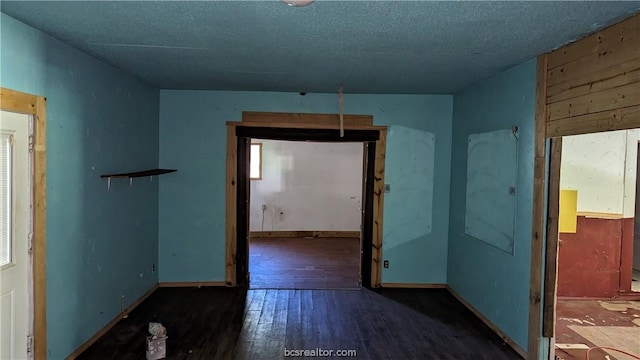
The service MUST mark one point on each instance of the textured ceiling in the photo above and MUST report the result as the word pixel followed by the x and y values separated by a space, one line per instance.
pixel 369 46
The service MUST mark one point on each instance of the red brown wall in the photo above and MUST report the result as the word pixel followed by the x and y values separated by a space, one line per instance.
pixel 591 261
pixel 626 256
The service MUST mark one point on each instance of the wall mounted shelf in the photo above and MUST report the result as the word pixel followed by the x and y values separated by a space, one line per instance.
pixel 136 174
pixel 139 173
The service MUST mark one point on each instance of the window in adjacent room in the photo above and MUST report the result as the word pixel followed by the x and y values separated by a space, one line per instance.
pixel 256 162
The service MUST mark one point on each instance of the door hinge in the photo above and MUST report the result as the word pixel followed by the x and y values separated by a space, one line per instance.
pixel 31 143
pixel 29 344
pixel 30 243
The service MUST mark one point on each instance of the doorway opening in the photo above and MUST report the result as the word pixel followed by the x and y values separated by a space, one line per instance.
pixel 245 134
pixel 597 297
pixel 305 212
pixel 318 128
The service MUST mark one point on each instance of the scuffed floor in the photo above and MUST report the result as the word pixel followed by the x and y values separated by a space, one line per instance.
pixel 583 324
pixel 305 263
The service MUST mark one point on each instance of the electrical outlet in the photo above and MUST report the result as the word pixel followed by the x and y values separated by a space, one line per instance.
pixel 387 188
pixel 153 267
pixel 385 264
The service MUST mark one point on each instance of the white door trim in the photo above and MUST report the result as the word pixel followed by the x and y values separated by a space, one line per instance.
pixel 19 270
pixel 35 106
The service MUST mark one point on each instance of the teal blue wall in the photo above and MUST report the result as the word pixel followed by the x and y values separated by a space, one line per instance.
pixel 99 120
pixel 99 241
pixel 192 201
pixel 493 281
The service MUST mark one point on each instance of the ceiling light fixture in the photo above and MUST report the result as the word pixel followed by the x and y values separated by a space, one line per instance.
pixel 297 3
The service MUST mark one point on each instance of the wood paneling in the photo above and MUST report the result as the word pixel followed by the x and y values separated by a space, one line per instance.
pixel 303 234
pixel 622 32
pixel 617 119
pixel 593 85
pixel 594 67
pixel 610 99
pixel 304 118
pixel 553 223
pixel 610 47
pixel 36 106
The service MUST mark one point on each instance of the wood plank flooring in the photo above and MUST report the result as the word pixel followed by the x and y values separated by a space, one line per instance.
pixel 304 263
pixel 232 323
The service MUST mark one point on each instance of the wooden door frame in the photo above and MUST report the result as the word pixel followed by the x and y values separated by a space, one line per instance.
pixel 35 106
pixel 544 239
pixel 539 202
pixel 309 122
pixel 245 134
pixel 552 239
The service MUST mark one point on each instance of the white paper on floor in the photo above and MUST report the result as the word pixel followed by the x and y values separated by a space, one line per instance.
pixel 624 338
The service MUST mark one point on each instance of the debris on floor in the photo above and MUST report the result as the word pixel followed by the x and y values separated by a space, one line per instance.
pixel 597 329
pixel 157 330
pixel 156 341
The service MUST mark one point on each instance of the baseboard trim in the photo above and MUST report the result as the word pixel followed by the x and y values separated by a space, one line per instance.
pixel 111 324
pixel 191 284
pixel 298 234
pixel 491 325
pixel 413 286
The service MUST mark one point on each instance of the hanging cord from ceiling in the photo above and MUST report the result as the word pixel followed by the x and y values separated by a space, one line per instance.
pixel 341 111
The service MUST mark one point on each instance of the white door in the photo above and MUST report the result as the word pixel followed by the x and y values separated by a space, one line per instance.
pixel 15 219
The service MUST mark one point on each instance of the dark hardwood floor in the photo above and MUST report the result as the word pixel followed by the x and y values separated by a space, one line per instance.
pixel 304 263
pixel 233 323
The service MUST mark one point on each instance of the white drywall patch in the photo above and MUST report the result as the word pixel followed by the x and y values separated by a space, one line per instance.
pixel 492 169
